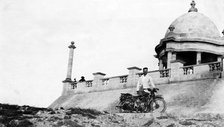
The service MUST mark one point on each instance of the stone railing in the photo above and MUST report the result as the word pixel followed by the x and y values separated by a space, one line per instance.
pixel 183 73
pixel 164 73
pixel 105 81
pixel 216 66
pixel 200 71
pixel 188 70
pixel 123 79
pixel 158 73
pixel 89 83
pixel 159 76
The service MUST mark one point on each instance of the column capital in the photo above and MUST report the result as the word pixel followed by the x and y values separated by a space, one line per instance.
pixel 170 49
pixel 72 45
pixel 67 80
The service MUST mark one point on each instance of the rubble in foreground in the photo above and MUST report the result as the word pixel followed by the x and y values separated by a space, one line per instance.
pixel 27 116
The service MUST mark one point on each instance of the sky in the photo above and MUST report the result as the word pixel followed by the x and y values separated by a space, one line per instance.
pixel 110 36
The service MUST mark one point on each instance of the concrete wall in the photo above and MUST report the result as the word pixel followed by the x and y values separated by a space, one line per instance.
pixel 176 73
pixel 190 96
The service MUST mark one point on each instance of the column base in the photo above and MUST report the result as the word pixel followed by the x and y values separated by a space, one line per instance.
pixel 67 80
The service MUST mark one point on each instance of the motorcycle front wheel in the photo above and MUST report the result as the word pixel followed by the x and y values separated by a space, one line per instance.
pixel 158 105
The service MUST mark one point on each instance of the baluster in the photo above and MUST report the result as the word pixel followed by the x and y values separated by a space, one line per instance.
pixel 184 71
pixel 161 74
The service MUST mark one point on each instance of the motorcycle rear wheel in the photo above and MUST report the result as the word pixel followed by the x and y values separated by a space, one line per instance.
pixel 158 105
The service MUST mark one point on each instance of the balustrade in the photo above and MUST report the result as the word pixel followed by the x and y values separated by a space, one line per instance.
pixel 74 85
pixel 89 83
pixel 105 81
pixel 215 67
pixel 188 70
pixel 164 73
pixel 123 79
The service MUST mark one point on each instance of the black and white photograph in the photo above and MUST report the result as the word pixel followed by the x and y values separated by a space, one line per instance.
pixel 111 63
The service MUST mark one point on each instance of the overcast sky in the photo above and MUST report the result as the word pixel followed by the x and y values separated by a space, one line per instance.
pixel 110 35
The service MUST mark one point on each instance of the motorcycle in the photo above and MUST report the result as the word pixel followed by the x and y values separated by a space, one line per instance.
pixel 142 103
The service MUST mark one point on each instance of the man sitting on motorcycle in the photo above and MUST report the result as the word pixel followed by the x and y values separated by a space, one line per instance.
pixel 144 82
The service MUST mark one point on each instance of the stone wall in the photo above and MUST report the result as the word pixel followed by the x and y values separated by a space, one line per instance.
pixel 176 73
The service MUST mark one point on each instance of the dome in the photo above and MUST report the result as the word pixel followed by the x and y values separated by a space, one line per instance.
pixel 194 25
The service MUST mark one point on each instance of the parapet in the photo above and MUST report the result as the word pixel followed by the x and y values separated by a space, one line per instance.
pixel 177 73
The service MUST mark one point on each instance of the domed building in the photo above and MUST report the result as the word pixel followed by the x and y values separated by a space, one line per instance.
pixel 190 64
pixel 192 49
pixel 191 39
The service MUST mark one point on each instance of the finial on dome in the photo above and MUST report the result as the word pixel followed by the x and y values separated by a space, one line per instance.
pixel 193 8
pixel 171 28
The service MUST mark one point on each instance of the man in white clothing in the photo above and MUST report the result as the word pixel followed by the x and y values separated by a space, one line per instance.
pixel 144 82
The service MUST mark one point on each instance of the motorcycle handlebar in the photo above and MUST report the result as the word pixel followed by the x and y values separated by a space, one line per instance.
pixel 154 89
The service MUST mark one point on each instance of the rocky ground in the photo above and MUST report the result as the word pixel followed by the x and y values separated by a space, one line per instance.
pixel 26 116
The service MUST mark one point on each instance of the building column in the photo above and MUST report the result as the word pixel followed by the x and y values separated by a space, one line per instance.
pixel 219 59
pixel 174 56
pixel 198 59
pixel 70 60
pixel 169 58
pixel 160 64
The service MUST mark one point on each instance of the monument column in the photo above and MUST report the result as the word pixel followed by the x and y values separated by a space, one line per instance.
pixel 70 61
pixel 198 58
pixel 67 87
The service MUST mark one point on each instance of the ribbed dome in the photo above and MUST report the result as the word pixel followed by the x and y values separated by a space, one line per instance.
pixel 194 25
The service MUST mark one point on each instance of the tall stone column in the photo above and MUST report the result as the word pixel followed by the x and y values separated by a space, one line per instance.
pixel 70 61
pixel 67 82
pixel 169 58
pixel 198 58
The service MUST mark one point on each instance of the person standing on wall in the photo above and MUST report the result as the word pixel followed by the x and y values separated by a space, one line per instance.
pixel 144 82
